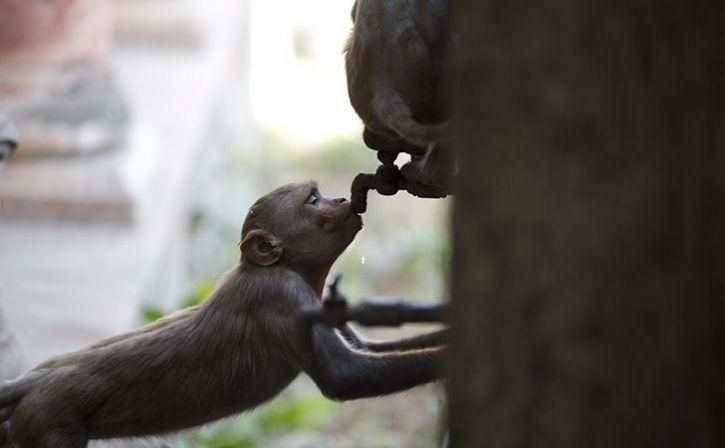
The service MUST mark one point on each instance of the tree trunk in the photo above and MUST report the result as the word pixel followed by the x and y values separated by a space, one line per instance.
pixel 588 280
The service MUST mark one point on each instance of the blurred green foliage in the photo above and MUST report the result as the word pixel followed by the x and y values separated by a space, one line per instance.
pixel 283 415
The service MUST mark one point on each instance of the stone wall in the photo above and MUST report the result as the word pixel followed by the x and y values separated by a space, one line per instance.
pixel 93 205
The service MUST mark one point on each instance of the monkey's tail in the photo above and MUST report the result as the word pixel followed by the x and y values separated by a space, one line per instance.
pixel 395 113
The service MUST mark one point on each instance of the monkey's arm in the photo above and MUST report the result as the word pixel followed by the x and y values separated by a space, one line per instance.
pixel 427 340
pixel 342 373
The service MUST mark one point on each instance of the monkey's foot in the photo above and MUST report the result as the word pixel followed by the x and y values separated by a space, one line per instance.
pixel 383 144
pixel 418 185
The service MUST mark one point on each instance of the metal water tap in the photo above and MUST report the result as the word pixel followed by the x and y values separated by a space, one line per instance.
pixel 389 178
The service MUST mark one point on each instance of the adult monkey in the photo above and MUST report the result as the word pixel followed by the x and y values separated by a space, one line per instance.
pixel 395 61
pixel 231 353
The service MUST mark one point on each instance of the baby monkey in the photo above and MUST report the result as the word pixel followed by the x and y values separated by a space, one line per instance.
pixel 235 351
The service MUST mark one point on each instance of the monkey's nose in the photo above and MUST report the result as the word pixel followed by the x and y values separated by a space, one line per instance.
pixel 340 200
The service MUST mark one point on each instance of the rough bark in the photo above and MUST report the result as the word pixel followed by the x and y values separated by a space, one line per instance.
pixel 588 279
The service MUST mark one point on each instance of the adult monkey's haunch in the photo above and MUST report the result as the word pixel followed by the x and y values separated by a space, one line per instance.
pixel 395 62
pixel 395 59
pixel 231 353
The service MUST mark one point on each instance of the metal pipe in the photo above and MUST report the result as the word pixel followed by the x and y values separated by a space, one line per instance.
pixel 335 312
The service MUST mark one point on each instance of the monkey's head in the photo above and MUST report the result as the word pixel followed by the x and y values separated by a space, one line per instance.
pixel 296 226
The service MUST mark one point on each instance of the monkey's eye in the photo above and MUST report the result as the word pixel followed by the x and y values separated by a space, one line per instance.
pixel 312 199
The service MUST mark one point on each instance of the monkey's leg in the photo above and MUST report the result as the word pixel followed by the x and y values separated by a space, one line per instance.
pixel 427 340
pixel 342 373
pixel 389 145
pixel 438 167
pixel 46 438
pixel 46 419
pixel 61 439
pixel 4 428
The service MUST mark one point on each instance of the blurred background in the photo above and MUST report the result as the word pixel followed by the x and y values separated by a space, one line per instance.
pixel 148 127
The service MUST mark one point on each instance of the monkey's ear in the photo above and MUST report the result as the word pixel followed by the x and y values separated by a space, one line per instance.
pixel 261 248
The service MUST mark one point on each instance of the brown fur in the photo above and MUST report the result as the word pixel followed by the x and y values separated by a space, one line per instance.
pixel 395 67
pixel 232 353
